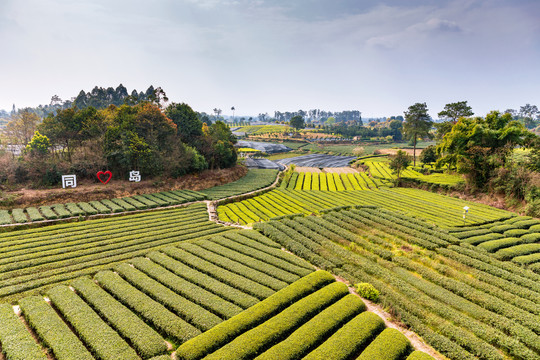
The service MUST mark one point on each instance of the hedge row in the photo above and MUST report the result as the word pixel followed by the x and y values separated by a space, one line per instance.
pixel 312 333
pixel 277 328
pixel 155 313
pixel 349 340
pixel 291 243
pixel 225 332
pixel 518 250
pixel 186 309
pixel 255 179
pixel 203 280
pixel 266 257
pixel 52 330
pixel 98 337
pixel 233 279
pixel 16 341
pixel 142 337
pixel 248 261
pixel 214 303
pixel 106 206
pixel 389 345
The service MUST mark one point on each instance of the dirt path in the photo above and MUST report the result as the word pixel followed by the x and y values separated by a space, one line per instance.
pixel 390 322
pixel 340 170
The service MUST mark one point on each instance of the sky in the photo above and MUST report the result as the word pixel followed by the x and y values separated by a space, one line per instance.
pixel 259 56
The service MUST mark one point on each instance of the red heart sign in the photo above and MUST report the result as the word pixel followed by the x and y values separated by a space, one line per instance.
pixel 100 173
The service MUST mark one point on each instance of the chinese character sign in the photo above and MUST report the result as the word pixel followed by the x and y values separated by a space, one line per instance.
pixel 135 176
pixel 69 181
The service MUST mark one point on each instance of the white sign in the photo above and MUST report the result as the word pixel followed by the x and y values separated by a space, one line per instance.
pixel 69 181
pixel 135 176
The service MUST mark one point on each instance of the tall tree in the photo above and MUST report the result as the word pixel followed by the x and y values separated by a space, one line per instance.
pixel 297 122
pixel 451 113
pixel 189 126
pixel 398 163
pixel 417 124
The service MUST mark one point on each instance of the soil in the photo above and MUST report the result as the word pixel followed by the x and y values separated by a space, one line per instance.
pixel 307 169
pixel 394 151
pixel 340 170
pixel 89 190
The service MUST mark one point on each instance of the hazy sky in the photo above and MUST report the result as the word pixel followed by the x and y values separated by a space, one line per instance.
pixel 378 57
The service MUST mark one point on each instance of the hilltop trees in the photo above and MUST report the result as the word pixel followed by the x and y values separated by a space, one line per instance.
pixel 417 124
pixel 478 146
pixel 451 113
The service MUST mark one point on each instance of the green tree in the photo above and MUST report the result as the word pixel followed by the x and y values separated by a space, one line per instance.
pixel 478 146
pixel 39 145
pixel 451 113
pixel 297 122
pixel 398 163
pixel 189 126
pixel 429 155
pixel 417 124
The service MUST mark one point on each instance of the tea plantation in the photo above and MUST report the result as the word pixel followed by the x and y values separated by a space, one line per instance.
pixel 171 284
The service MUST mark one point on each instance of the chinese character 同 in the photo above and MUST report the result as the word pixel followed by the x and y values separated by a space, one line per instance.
pixel 69 181
pixel 135 176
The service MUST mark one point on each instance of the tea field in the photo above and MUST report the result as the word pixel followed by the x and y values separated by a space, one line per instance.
pixel 434 208
pixel 171 284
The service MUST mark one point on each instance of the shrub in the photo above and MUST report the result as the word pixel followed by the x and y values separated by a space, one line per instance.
pixel 316 330
pixel 103 341
pixel 274 330
pixel 144 339
pixel 389 345
pixel 515 232
pixel 16 341
pixel 350 339
pixel 518 250
pixel 495 245
pixel 475 240
pixel 419 355
pixel 52 330
pixel 225 332
pixel 367 291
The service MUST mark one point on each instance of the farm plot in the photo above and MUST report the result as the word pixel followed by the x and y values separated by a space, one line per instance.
pixel 172 294
pixel 318 160
pixel 380 169
pixel 254 180
pixel 36 258
pixel 462 301
pixel 314 318
pixel 338 181
pixel 516 239
pixel 107 206
pixel 434 208
pixel 266 147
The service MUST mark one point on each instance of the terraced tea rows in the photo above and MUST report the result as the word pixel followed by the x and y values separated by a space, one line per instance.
pixel 381 170
pixel 434 208
pixel 62 211
pixel 516 239
pixel 254 180
pixel 169 295
pixel 35 258
pixel 314 318
pixel 462 301
pixel 330 181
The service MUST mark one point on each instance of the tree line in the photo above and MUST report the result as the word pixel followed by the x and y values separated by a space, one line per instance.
pixel 496 154
pixel 143 135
